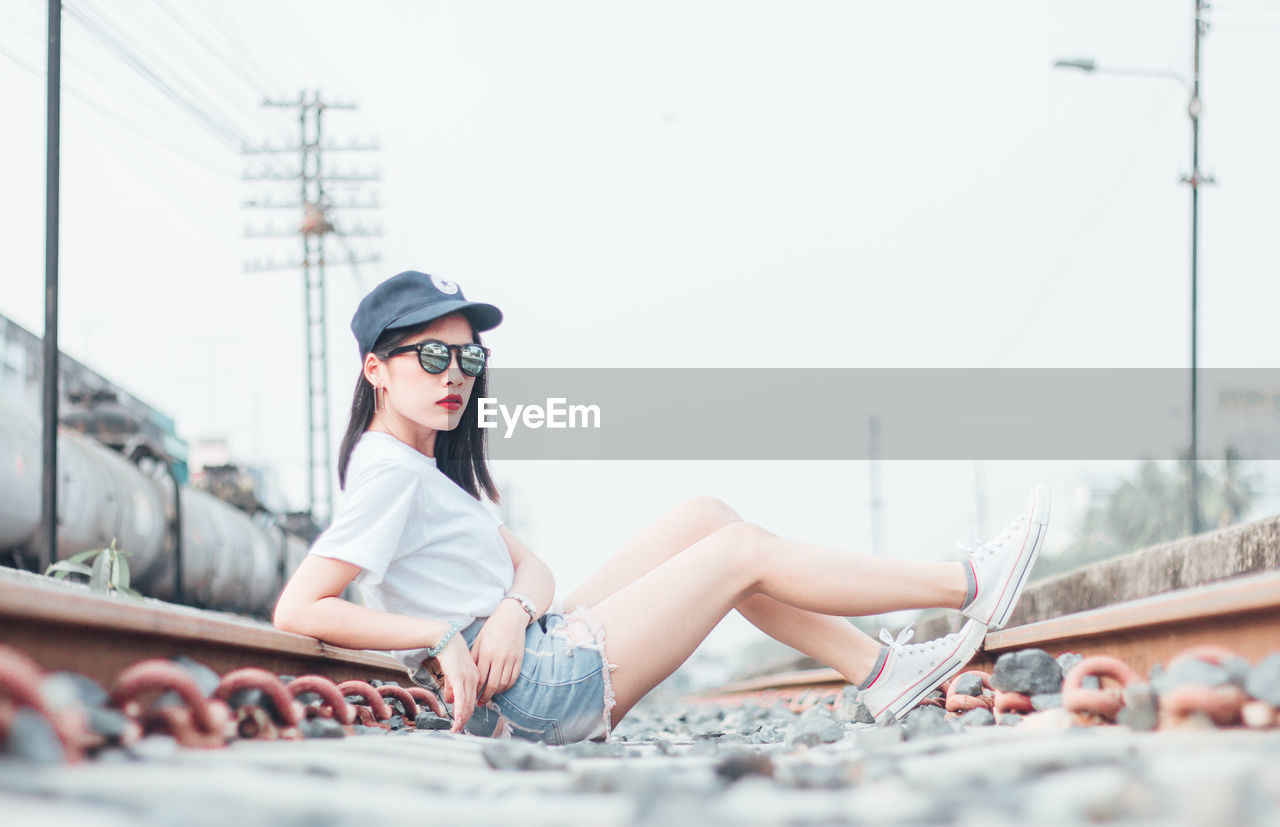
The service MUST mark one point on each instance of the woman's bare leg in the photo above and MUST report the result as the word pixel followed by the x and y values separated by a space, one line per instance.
pixel 828 639
pixel 653 624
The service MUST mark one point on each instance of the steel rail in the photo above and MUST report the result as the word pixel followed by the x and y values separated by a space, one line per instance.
pixel 63 628
pixel 1242 613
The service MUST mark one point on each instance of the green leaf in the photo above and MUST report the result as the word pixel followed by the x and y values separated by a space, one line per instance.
pixel 62 568
pixel 115 572
pixel 84 555
pixel 100 576
pixel 122 582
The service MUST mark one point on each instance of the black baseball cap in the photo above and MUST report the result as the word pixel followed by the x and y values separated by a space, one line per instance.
pixel 411 298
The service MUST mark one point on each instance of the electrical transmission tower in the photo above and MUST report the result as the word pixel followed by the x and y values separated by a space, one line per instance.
pixel 315 207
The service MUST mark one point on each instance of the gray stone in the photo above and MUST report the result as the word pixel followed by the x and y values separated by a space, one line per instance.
pixel 1049 700
pixel 321 728
pixel 967 684
pixel 676 782
pixel 816 726
pixel 429 720
pixel 1263 681
pixel 109 723
pixel 739 763
pixel 852 708
pixel 816 776
pixel 1068 660
pixel 1189 672
pixel 1092 794
pixel 593 749
pixel 703 746
pixel 517 755
pixel 205 678
pixel 31 738
pixel 924 721
pixel 1237 669
pixel 978 717
pixel 1030 671
pixel 1009 719
pixel 154 748
pixel 254 698
pixel 1139 710
pixel 883 735
pixel 766 734
pixel 62 688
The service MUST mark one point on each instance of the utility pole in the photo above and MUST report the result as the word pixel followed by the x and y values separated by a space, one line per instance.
pixel 315 205
pixel 48 552
pixel 1195 179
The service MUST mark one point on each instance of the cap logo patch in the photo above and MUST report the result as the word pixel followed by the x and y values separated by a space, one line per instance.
pixel 444 285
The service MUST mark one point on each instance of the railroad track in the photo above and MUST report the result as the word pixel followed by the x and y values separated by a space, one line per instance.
pixel 1242 614
pixel 62 627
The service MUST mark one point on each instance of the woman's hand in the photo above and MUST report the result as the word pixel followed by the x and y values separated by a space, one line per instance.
pixel 461 680
pixel 499 649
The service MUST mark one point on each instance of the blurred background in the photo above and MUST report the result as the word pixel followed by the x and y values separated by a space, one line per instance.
pixel 658 185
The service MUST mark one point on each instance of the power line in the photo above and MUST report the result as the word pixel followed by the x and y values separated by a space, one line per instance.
pixel 21 63
pixel 213 13
pixel 114 117
pixel 211 123
pixel 194 64
pixel 236 67
pixel 181 46
pixel 1077 242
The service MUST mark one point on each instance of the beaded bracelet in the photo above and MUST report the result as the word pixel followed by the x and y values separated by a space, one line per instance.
pixel 439 647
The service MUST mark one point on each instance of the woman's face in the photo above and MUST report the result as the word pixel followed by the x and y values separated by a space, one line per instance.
pixel 415 397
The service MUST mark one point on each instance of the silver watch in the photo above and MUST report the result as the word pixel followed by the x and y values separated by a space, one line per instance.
pixel 525 603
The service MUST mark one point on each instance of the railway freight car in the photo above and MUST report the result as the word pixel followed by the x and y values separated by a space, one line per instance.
pixel 184 544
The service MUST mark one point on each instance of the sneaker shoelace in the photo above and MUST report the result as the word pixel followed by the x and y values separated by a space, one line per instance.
pixel 900 646
pixel 980 549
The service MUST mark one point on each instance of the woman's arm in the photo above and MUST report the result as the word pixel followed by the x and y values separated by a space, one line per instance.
pixel 499 647
pixel 533 578
pixel 310 605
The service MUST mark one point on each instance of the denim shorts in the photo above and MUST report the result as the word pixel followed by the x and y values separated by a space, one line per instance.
pixel 563 694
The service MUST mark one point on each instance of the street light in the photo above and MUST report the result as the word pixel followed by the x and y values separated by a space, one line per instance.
pixel 1195 179
pixel 1088 64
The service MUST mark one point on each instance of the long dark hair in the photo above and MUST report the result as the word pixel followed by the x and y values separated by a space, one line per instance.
pixel 460 453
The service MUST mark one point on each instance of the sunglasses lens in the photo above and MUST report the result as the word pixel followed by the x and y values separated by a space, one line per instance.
pixel 434 357
pixel 471 359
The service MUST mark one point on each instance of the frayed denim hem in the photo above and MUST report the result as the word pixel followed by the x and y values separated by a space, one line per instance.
pixel 582 629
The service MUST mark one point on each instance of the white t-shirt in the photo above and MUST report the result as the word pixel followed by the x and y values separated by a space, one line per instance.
pixel 425 547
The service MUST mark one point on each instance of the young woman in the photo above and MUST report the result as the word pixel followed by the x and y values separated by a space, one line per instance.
pixel 455 595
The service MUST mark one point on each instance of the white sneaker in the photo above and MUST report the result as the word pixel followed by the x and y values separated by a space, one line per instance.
pixel 1000 565
pixel 911 671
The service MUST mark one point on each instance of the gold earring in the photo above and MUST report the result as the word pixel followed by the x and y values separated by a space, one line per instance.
pixel 379 399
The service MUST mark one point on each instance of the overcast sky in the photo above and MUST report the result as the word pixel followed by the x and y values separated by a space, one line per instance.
pixel 646 184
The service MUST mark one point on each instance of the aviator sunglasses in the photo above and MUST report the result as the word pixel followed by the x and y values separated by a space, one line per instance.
pixel 435 356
